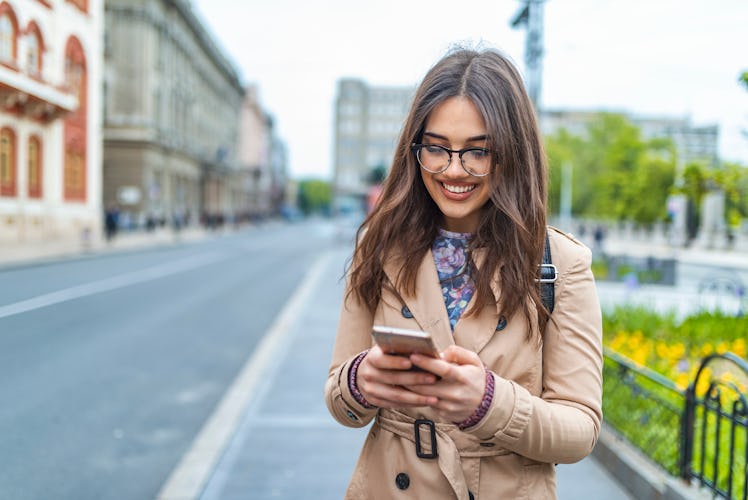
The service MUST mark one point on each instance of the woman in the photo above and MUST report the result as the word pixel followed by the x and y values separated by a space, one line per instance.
pixel 453 248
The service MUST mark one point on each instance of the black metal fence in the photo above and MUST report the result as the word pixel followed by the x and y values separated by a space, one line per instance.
pixel 699 434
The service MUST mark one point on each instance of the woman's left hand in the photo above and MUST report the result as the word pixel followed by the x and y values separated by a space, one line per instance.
pixel 462 384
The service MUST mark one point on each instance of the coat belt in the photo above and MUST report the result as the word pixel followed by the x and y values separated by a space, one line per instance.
pixel 451 445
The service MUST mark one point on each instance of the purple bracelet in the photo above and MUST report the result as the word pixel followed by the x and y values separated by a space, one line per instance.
pixel 353 386
pixel 483 407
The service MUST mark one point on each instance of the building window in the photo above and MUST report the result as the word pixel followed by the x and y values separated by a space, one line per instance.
pixel 81 4
pixel 8 33
pixel 34 50
pixel 35 167
pixel 75 126
pixel 75 176
pixel 7 162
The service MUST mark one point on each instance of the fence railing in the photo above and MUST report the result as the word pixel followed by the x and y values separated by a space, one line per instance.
pixel 699 434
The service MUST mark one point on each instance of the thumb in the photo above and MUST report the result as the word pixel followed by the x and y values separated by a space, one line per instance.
pixel 461 356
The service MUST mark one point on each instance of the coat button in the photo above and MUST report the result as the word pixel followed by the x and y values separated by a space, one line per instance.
pixel 402 481
pixel 406 312
pixel 351 415
pixel 470 495
pixel 502 323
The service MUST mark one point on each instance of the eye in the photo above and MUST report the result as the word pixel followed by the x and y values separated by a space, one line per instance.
pixel 433 148
pixel 478 153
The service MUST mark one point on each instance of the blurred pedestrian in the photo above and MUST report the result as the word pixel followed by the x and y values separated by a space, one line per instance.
pixel 111 222
pixel 599 236
pixel 453 248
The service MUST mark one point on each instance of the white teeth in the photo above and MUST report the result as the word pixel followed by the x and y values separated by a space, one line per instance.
pixel 458 189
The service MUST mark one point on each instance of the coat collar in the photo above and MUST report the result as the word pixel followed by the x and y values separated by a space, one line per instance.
pixel 429 311
pixel 474 332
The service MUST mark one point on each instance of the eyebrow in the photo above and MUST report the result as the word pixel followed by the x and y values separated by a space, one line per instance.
pixel 443 138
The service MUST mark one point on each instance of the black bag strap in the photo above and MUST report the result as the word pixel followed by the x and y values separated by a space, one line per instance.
pixel 548 276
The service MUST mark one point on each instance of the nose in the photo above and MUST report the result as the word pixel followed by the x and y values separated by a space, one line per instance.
pixel 454 169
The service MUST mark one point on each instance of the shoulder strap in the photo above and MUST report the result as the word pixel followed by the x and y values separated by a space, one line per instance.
pixel 548 275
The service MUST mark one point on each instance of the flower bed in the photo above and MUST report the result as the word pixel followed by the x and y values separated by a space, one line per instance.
pixel 646 401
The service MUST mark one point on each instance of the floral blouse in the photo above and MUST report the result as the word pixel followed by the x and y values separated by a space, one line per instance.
pixel 453 267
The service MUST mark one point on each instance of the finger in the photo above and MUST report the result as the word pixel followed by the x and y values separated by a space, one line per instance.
pixel 385 395
pixel 438 367
pixel 383 361
pixel 461 356
pixel 406 378
pixel 370 376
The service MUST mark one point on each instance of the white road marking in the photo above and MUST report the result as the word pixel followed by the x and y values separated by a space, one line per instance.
pixel 113 283
pixel 190 476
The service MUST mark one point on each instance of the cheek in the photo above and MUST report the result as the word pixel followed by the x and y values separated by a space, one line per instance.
pixel 430 184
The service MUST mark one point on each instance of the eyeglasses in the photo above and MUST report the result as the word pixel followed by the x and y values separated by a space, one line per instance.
pixel 436 159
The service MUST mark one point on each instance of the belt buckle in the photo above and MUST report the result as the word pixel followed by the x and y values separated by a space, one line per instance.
pixel 432 432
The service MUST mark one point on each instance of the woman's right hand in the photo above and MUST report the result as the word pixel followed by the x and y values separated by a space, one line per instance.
pixel 381 377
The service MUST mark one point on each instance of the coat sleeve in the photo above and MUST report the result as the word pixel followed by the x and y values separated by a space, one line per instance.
pixel 353 337
pixel 563 423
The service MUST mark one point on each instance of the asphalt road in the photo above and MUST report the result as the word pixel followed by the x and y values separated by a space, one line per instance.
pixel 109 365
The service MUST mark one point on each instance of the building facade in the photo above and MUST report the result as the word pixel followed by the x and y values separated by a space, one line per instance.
pixel 50 142
pixel 262 159
pixel 172 104
pixel 368 121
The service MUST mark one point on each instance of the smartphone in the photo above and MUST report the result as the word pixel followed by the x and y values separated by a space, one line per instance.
pixel 404 342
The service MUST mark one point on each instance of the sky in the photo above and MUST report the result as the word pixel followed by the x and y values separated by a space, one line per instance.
pixel 678 58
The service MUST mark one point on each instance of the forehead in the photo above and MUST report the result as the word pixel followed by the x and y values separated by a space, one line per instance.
pixel 456 118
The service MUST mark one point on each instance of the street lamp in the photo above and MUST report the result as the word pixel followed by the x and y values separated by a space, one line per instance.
pixel 530 16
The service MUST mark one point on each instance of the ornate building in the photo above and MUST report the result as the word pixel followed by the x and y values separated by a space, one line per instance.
pixel 172 104
pixel 50 145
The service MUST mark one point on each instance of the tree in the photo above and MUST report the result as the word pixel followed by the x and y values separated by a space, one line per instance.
pixel 732 178
pixel 618 175
pixel 314 196
pixel 694 186
pixel 743 78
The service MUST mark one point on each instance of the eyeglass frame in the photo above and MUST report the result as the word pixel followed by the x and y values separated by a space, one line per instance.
pixel 416 147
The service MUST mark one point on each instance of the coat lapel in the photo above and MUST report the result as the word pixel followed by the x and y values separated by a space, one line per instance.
pixel 427 305
pixel 474 332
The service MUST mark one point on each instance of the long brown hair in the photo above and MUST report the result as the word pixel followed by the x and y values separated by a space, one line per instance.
pixel 512 228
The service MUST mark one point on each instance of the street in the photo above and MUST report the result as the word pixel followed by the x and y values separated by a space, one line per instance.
pixel 110 364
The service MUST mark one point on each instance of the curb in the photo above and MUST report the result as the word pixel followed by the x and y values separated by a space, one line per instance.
pixel 638 474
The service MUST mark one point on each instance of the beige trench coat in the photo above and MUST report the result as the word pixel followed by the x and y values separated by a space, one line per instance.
pixel 547 401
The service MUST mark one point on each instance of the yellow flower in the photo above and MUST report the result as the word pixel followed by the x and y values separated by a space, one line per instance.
pixel 707 349
pixel 662 350
pixel 677 350
pixel 738 347
pixel 682 381
pixel 618 341
pixel 640 356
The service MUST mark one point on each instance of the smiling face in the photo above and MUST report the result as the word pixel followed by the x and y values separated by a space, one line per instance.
pixel 456 124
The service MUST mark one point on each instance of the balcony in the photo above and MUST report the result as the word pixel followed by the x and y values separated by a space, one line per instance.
pixel 33 98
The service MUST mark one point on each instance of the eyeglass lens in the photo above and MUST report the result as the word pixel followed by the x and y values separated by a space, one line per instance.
pixel 436 159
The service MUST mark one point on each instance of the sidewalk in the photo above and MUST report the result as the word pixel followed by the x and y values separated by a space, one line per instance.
pixel 40 251
pixel 285 444
pixel 638 246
